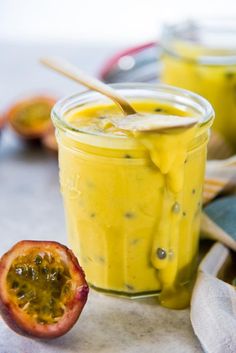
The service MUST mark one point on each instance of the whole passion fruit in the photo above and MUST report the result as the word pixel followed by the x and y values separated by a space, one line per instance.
pixel 42 289
pixel 30 117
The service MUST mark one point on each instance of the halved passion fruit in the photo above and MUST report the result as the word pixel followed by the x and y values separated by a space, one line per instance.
pixel 42 288
pixel 30 118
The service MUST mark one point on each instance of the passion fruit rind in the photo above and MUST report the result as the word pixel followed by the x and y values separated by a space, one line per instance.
pixel 42 288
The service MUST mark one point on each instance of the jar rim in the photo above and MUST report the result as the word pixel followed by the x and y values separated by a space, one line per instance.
pixel 70 103
pixel 216 36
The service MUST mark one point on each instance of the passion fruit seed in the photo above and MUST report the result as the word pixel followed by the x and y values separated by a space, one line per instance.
pixel 20 294
pixel 38 260
pixel 15 284
pixel 176 208
pixel 161 253
pixel 19 270
pixel 40 285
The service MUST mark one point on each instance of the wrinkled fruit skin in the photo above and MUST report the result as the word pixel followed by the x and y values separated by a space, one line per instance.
pixel 30 117
pixel 20 320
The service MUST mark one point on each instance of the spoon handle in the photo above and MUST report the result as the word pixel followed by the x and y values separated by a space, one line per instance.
pixel 67 69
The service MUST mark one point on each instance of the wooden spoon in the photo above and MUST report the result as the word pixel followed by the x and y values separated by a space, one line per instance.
pixel 140 122
pixel 73 72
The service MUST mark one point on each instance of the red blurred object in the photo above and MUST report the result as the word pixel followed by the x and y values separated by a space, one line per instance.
pixel 114 59
pixel 140 63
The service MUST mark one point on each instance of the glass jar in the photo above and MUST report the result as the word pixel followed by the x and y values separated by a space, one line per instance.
pixel 201 56
pixel 134 236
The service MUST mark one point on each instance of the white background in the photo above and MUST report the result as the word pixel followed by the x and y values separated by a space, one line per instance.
pixel 86 21
pixel 86 32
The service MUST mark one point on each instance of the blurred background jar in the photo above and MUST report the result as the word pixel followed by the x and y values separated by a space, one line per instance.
pixel 201 56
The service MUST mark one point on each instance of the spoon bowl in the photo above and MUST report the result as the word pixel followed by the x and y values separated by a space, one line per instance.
pixel 148 122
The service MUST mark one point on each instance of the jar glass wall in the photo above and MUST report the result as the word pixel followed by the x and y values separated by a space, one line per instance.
pixel 134 226
pixel 201 56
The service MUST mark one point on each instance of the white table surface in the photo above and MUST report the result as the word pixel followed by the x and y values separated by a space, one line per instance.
pixel 31 208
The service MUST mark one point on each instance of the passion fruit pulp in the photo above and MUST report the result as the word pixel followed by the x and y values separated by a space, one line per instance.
pixel 30 117
pixel 42 289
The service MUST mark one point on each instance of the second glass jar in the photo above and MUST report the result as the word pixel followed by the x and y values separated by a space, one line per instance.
pixel 201 56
